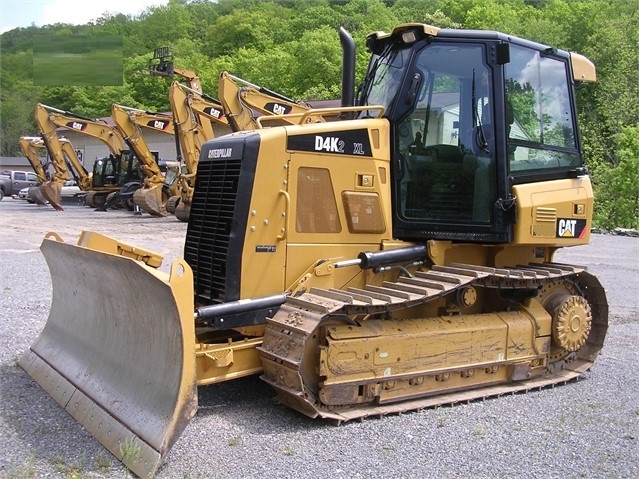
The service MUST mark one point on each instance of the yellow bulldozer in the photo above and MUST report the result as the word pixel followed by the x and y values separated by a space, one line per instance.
pixel 397 259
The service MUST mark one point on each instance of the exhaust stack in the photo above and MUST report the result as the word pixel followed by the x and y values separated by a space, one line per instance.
pixel 348 67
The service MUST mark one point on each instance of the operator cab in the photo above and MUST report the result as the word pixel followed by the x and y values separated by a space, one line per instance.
pixel 472 113
pixel 112 170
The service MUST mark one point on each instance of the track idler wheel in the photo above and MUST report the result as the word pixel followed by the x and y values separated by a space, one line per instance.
pixel 579 312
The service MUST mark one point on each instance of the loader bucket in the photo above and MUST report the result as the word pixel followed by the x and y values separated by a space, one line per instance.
pixel 151 200
pixel 52 191
pixel 118 350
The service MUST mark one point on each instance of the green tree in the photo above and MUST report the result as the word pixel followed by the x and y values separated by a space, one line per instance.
pixel 261 27
pixel 617 187
pixel 17 119
pixel 162 24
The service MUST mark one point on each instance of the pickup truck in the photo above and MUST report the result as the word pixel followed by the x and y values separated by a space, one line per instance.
pixel 11 182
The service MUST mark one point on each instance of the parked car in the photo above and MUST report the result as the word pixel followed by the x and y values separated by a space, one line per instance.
pixel 11 182
pixel 23 194
pixel 69 191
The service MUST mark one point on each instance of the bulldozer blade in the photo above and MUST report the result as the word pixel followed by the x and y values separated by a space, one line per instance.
pixel 118 350
pixel 53 194
pixel 151 200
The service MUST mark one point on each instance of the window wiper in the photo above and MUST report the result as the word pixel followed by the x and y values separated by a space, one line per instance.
pixel 480 137
pixel 367 84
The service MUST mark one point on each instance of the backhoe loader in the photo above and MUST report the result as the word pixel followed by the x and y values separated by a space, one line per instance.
pixel 118 172
pixel 158 186
pixel 396 260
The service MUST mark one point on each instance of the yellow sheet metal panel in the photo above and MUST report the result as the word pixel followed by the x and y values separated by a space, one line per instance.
pixel 554 213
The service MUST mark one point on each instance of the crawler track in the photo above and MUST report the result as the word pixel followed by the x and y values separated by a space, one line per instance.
pixel 291 341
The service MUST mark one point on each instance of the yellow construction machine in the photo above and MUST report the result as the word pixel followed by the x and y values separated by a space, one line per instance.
pixel 242 105
pixel 245 102
pixel 63 164
pixel 194 114
pixel 29 146
pixel 162 65
pixel 113 174
pixel 398 259
pixel 158 185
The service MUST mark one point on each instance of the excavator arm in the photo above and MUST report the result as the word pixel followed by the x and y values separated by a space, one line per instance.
pixel 49 119
pixel 61 151
pixel 29 146
pixel 73 165
pixel 193 113
pixel 151 198
pixel 244 102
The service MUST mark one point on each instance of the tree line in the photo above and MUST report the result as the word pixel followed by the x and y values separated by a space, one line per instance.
pixel 292 47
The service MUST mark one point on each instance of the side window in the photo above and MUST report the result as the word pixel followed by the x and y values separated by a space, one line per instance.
pixel 19 176
pixel 32 177
pixel 541 127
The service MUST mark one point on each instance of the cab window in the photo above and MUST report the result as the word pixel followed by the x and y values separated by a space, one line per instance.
pixel 541 131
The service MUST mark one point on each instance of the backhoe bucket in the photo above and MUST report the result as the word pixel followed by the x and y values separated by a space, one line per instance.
pixel 118 349
pixel 151 200
pixel 52 191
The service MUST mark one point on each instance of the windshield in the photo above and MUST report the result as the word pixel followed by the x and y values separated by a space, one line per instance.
pixel 384 78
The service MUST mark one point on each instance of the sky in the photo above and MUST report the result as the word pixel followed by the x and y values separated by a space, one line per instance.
pixel 22 13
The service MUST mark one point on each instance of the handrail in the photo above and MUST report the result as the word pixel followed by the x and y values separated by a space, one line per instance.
pixel 304 118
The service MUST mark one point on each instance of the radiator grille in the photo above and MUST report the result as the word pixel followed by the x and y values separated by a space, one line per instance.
pixel 209 235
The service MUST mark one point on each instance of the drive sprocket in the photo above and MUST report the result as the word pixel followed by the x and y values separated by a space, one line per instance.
pixel 572 321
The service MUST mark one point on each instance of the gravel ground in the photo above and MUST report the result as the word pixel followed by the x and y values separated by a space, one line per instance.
pixel 588 428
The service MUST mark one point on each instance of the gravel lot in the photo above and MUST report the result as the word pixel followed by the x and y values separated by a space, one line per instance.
pixel 588 428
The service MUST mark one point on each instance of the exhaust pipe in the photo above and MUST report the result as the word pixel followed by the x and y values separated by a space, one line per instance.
pixel 348 67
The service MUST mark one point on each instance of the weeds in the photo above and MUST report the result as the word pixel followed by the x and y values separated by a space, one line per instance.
pixel 130 451
pixel 70 470
pixel 187 475
pixel 25 471
pixel 103 463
